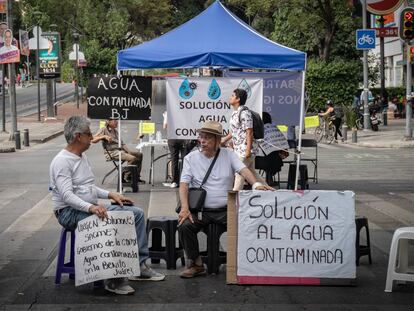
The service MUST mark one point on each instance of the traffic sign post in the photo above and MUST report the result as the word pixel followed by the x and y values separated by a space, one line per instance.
pixel 365 39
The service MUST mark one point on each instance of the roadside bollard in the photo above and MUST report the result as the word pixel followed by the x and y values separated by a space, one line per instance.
pixel 345 132
pixel 17 140
pixel 384 117
pixel 26 138
pixel 354 136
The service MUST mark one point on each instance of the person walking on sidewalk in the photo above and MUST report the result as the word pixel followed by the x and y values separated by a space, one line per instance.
pixel 241 133
pixel 218 183
pixel 109 137
pixel 75 197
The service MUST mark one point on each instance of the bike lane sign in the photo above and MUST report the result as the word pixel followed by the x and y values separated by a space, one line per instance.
pixel 365 39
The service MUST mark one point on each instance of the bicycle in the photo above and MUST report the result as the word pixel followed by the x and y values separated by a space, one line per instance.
pixel 325 130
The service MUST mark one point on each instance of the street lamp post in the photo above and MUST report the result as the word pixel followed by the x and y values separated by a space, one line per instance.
pixel 37 14
pixel 76 39
pixel 53 27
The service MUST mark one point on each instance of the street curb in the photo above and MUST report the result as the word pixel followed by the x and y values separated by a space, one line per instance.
pixel 47 138
pixel 7 149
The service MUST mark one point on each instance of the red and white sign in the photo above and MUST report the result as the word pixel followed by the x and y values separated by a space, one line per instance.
pixel 387 32
pixel 383 7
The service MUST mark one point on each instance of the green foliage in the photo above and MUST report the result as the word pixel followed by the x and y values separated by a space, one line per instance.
pixel 336 80
pixel 350 117
pixel 105 26
pixel 68 72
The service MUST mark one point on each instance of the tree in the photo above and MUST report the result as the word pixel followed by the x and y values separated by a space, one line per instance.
pixel 322 28
pixel 105 26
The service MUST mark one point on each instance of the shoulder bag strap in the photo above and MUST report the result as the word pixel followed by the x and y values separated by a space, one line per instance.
pixel 210 168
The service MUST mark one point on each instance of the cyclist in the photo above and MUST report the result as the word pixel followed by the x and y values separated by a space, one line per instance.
pixel 334 117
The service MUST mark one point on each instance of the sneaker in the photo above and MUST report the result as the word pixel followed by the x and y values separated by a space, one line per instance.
pixel 173 185
pixel 193 271
pixel 147 274
pixel 119 288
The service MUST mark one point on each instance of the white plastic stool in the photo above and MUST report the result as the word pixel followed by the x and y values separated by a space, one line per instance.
pixel 399 250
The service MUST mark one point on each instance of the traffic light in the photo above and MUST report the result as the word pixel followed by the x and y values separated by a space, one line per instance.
pixel 407 24
pixel 410 53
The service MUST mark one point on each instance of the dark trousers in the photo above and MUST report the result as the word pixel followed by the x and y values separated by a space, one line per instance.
pixel 188 231
pixel 177 147
pixel 337 123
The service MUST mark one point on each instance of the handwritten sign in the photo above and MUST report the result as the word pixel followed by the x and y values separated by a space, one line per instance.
pixel 106 248
pixel 292 234
pixel 125 98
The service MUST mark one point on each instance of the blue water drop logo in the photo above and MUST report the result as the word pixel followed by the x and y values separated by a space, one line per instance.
pixel 245 86
pixel 185 90
pixel 214 91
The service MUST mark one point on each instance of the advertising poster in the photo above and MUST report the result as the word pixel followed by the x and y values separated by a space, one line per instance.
pixel 24 42
pixel 49 58
pixel 9 51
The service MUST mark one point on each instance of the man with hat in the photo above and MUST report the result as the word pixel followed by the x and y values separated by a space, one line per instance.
pixel 109 137
pixel 219 182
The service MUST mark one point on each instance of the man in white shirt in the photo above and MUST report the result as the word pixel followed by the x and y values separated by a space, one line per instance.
pixel 219 182
pixel 75 197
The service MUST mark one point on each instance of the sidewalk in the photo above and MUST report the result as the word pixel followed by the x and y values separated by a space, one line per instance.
pixel 390 136
pixel 40 132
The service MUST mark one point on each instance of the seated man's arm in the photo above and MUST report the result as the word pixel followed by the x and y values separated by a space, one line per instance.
pixel 64 186
pixel 185 209
pixel 186 177
pixel 248 175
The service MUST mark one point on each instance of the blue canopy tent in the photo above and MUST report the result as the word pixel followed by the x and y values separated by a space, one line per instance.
pixel 215 38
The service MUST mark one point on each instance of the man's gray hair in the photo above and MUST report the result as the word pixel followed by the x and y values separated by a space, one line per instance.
pixel 75 125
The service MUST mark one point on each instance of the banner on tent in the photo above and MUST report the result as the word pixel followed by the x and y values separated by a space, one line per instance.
pixel 125 98
pixel 291 234
pixel 193 101
pixel 282 93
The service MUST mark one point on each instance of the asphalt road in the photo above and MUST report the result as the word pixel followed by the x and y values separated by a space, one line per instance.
pixel 381 178
pixel 26 98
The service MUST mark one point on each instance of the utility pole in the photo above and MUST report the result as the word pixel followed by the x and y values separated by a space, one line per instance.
pixel 37 70
pixel 76 39
pixel 12 73
pixel 408 106
pixel 3 98
pixel 365 61
pixel 382 72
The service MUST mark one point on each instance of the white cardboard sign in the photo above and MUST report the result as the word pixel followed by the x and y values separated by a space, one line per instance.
pixel 107 248
pixel 296 234
pixel 193 101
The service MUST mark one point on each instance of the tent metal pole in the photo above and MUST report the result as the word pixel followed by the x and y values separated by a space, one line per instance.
pixel 119 154
pixel 302 110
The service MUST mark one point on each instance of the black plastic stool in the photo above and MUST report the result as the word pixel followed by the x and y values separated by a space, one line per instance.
pixel 362 250
pixel 133 169
pixel 303 177
pixel 213 257
pixel 170 253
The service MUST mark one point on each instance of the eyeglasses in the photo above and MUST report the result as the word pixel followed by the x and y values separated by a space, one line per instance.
pixel 87 133
pixel 205 137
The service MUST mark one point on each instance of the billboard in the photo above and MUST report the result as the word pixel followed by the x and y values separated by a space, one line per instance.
pixel 50 58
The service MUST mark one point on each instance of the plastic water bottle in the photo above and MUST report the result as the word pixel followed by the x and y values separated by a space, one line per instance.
pixel 158 136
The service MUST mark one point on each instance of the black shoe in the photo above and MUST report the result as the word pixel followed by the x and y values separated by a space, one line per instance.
pixel 141 181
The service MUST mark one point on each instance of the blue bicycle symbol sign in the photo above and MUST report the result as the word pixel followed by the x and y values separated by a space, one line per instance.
pixel 365 39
